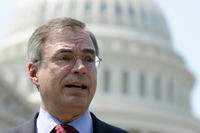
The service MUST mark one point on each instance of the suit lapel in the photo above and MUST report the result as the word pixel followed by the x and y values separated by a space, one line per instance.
pixel 98 125
pixel 29 126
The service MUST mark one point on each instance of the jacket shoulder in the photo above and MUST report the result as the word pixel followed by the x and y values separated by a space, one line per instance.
pixel 27 127
pixel 103 127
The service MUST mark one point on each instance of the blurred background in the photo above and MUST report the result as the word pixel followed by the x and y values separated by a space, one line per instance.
pixel 149 78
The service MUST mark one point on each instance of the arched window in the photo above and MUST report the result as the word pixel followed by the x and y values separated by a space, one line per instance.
pixel 125 82
pixel 118 11
pixel 143 16
pixel 88 8
pixel 131 11
pixel 106 80
pixel 72 6
pixel 103 11
pixel 142 84
pixel 170 91
pixel 157 88
pixel 103 7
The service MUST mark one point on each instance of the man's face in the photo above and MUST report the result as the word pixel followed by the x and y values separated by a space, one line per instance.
pixel 67 86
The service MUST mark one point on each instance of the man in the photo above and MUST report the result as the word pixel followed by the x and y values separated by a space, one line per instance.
pixel 63 57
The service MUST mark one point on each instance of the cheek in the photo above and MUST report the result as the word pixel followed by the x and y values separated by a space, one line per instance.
pixel 93 78
pixel 93 74
pixel 56 74
pixel 48 78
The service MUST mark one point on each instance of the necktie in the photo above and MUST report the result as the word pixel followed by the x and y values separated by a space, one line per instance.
pixel 64 128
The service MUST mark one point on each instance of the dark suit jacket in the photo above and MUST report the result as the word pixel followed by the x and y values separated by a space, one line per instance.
pixel 98 126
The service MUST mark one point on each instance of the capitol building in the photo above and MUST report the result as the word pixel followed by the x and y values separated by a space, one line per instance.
pixel 144 85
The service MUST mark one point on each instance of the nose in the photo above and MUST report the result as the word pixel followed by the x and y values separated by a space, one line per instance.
pixel 79 67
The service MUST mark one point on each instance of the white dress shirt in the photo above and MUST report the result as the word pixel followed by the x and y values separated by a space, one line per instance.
pixel 46 122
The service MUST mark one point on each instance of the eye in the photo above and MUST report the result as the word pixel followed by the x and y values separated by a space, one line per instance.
pixel 89 59
pixel 67 58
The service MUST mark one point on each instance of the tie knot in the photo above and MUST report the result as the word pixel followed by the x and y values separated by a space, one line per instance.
pixel 64 128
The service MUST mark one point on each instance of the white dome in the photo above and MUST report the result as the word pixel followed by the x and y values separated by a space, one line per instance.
pixel 141 16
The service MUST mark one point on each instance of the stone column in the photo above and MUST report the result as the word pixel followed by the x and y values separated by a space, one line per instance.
pixel 165 88
pixel 150 86
pixel 176 95
pixel 100 76
pixel 187 98
pixel 134 83
pixel 115 81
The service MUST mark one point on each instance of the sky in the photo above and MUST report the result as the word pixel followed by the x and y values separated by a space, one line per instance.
pixel 183 21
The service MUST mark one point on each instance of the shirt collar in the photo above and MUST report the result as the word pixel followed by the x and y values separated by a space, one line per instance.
pixel 46 122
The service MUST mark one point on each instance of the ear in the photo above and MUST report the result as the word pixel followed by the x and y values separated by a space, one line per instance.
pixel 33 73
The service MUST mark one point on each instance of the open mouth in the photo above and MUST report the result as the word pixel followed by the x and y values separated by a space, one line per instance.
pixel 76 86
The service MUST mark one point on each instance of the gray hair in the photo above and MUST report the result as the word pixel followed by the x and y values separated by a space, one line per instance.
pixel 40 35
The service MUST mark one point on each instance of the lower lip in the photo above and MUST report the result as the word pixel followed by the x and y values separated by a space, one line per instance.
pixel 75 90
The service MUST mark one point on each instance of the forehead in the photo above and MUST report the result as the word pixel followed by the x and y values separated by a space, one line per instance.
pixel 68 37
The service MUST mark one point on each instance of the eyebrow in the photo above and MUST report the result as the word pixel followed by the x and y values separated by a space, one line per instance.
pixel 63 51
pixel 91 51
pixel 86 50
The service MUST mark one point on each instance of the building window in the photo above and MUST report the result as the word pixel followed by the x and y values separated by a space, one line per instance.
pixel 125 82
pixel 143 15
pixel 106 80
pixel 157 88
pixel 142 84
pixel 118 12
pixel 72 6
pixel 118 9
pixel 170 92
pixel 103 11
pixel 130 10
pixel 58 6
pixel 88 6
pixel 88 12
pixel 103 7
